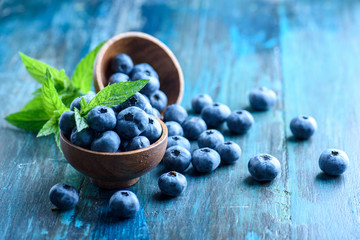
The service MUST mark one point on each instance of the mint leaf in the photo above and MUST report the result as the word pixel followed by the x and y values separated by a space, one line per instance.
pixel 83 74
pixel 114 94
pixel 51 99
pixel 83 103
pixel 49 127
pixel 80 121
pixel 37 92
pixel 68 95
pixel 31 120
pixel 37 70
pixel 35 103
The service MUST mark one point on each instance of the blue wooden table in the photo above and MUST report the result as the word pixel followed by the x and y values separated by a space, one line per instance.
pixel 307 51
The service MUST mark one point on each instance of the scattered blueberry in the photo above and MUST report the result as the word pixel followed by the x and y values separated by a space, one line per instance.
pixel 176 113
pixel 108 141
pixel 154 130
pixel 76 102
pixel 124 204
pixel 215 114
pixel 240 121
pixel 177 158
pixel 146 68
pixel 101 118
pixel 262 99
pixel 122 63
pixel 210 138
pixel 229 152
pixel 82 138
pixel 178 141
pixel 118 77
pixel 201 101
pixel 137 142
pixel 67 123
pixel 131 122
pixel 264 167
pixel 63 196
pixel 205 160
pixel 193 127
pixel 172 183
pixel 174 129
pixel 158 100
pixel 333 162
pixel 303 127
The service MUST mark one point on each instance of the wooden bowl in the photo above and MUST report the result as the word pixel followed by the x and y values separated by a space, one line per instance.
pixel 115 170
pixel 142 48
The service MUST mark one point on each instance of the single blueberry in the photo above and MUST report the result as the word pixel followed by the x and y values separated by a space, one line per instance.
pixel 131 122
pixel 122 63
pixel 118 77
pixel 178 141
pixel 264 167
pixel 82 138
pixel 158 100
pixel 108 141
pixel 240 121
pixel 333 162
pixel 124 204
pixel 177 158
pixel 229 152
pixel 76 102
pixel 151 87
pixel 303 127
pixel 172 183
pixel 101 118
pixel 63 196
pixel 205 160
pixel 201 101
pixel 193 127
pixel 67 122
pixel 137 142
pixel 146 68
pixel 210 138
pixel 215 114
pixel 154 130
pixel 174 129
pixel 176 113
pixel 262 99
pixel 136 100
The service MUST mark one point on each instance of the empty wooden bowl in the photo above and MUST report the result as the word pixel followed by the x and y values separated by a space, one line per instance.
pixel 115 170
pixel 142 48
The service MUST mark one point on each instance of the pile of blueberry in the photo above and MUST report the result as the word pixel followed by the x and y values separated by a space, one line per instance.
pixel 128 126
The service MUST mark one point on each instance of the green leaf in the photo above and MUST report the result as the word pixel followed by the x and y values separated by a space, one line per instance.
pixel 37 70
pixel 114 94
pixel 31 120
pixel 49 127
pixel 57 138
pixel 35 103
pixel 83 74
pixel 80 121
pixel 51 99
pixel 68 95
pixel 37 92
pixel 83 103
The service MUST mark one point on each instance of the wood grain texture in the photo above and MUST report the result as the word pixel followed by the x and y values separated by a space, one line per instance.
pixel 307 51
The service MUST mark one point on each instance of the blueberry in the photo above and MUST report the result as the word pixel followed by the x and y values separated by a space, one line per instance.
pixel 131 122
pixel 210 138
pixel 124 204
pixel 205 160
pixel 155 113
pixel 67 123
pixel 101 118
pixel 63 196
pixel 146 68
pixel 193 127
pixel 118 77
pixel 172 183
pixel 262 99
pixel 151 87
pixel 177 158
pixel 176 113
pixel 122 63
pixel 174 129
pixel 264 167
pixel 154 130
pixel 83 138
pixel 123 145
pixel 108 141
pixel 178 141
pixel 333 162
pixel 136 100
pixel 215 114
pixel 240 121
pixel 76 102
pixel 229 152
pixel 137 142
pixel 201 101
pixel 303 127
pixel 158 100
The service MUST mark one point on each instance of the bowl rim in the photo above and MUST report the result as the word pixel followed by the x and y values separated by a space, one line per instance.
pixel 108 43
pixel 128 153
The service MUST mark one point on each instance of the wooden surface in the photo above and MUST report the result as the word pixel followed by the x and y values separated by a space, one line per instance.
pixel 307 51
